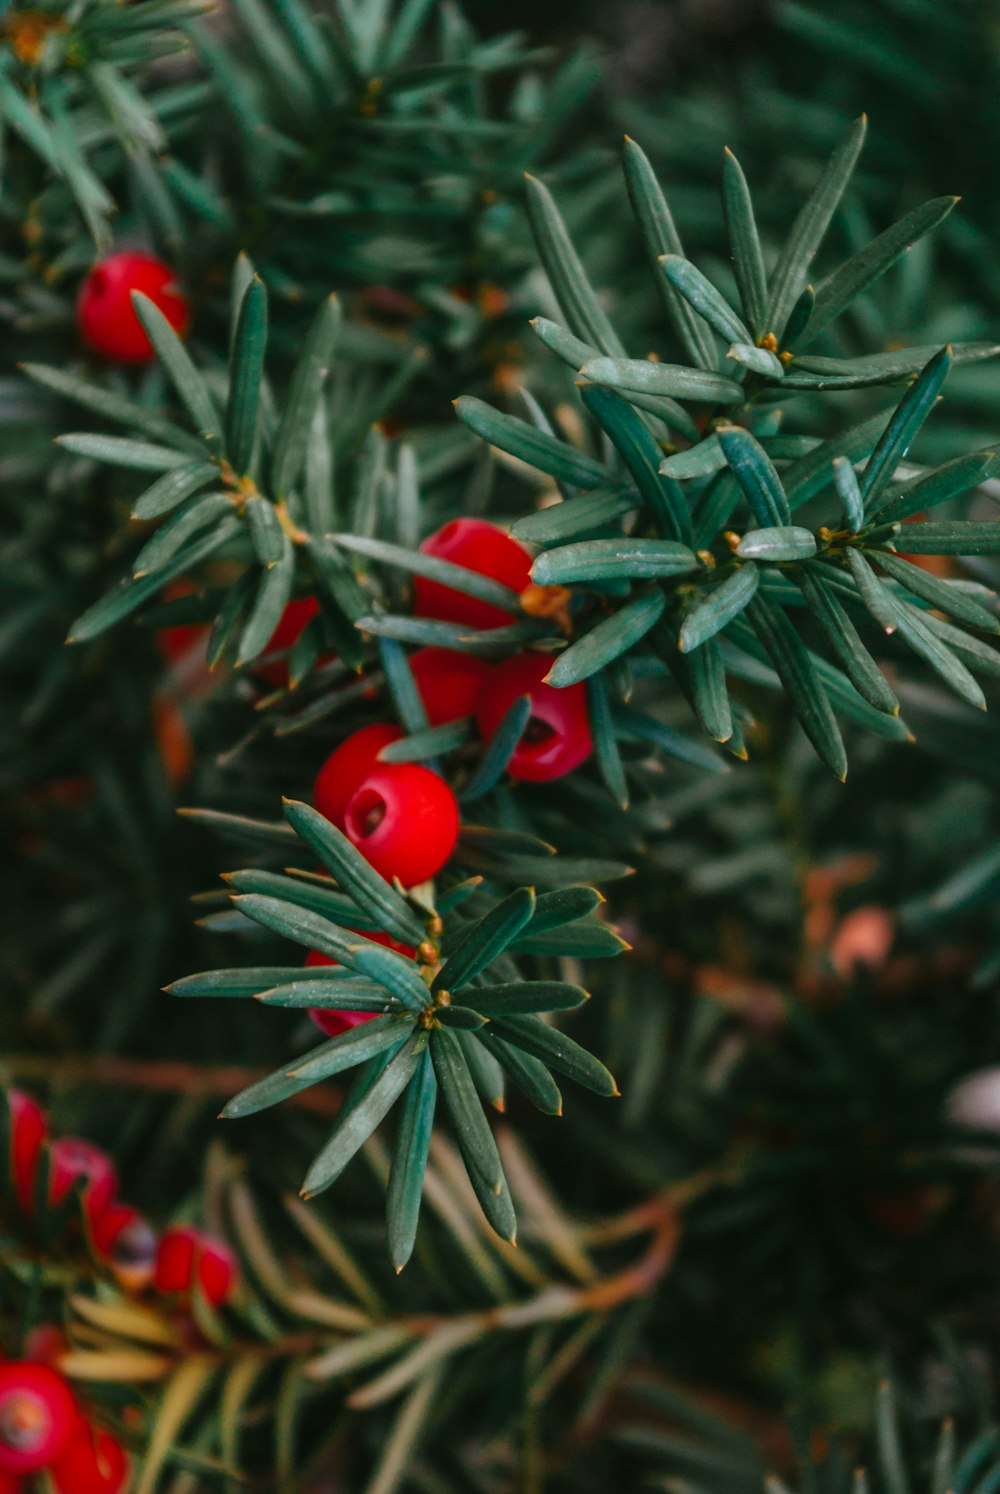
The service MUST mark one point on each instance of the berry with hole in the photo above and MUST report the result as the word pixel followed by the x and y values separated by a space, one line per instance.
pixel 347 766
pixel 38 1413
pixel 404 820
pixel 128 1242
pixel 557 737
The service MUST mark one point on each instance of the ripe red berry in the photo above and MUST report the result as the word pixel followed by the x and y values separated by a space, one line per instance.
pixel 334 1023
pixel 28 1130
pixel 185 645
pixel 557 737
pixel 404 820
pixel 104 311
pixel 71 1158
pixel 45 1344
pixel 186 1255
pixel 449 682
pixel 128 1243
pixel 477 546
pixel 291 625
pixel 38 1413
pixel 345 768
pixel 92 1462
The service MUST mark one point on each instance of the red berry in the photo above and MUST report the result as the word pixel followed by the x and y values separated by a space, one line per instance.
pixel 557 737
pixel 71 1158
pixel 104 311
pixel 45 1344
pixel 449 682
pixel 184 645
pixel 291 625
pixel 345 768
pixel 38 1412
pixel 28 1129
pixel 128 1243
pixel 477 546
pixel 404 821
pixel 334 1023
pixel 185 1256
pixel 92 1462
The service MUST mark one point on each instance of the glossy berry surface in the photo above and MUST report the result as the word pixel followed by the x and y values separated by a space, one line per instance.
pixel 449 682
pixel 347 765
pixel 29 1129
pixel 70 1158
pixel 477 546
pixel 38 1413
pixel 92 1462
pixel 104 311
pixel 334 1023
pixel 186 1256
pixel 404 820
pixel 557 737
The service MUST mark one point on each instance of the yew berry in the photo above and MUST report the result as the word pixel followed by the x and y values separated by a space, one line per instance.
pixel 186 1256
pixel 92 1462
pixel 478 546
pixel 557 737
pixel 185 645
pixel 38 1413
pixel 449 682
pixel 45 1344
pixel 404 820
pixel 128 1243
pixel 28 1130
pixel 72 1158
pixel 291 625
pixel 347 765
pixel 104 311
pixel 334 1023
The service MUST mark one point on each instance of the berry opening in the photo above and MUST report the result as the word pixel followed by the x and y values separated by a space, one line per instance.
pixel 537 732
pixel 365 813
pixel 135 1246
pixel 25 1422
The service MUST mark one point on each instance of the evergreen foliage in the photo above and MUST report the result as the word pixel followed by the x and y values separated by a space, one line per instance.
pixel 748 439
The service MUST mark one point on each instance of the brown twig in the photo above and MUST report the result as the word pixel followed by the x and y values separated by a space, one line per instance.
pixel 163 1077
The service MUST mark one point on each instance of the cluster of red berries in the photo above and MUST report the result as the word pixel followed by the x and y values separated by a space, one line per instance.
pixel 41 1423
pixel 403 817
pixel 42 1426
pixel 175 1263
